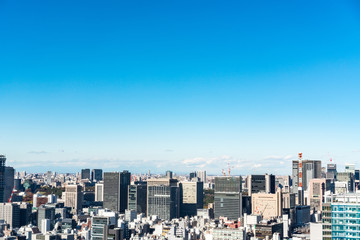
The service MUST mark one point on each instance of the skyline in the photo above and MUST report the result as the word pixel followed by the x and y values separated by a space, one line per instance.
pixel 145 85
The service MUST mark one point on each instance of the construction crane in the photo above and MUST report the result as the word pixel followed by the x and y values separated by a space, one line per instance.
pixel 223 172
pixel 12 193
pixel 229 168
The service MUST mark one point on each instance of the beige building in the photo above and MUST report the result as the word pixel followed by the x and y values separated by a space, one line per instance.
pixel 316 193
pixel 73 197
pixel 267 204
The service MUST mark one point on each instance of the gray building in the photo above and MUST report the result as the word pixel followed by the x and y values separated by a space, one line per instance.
pixel 310 169
pixel 347 177
pixel 96 175
pixel 228 197
pixel 9 182
pixel 331 171
pixel 85 174
pixel 116 190
pixel 163 198
pixel 46 212
pixel 137 195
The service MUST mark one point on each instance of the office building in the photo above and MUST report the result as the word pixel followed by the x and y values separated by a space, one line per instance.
pixel 331 171
pixel 340 217
pixel 103 227
pixel 2 178
pixel 350 168
pixel 73 197
pixel 201 175
pixel 192 198
pixel 10 213
pixel 9 182
pixel 116 190
pixel 85 174
pixel 261 183
pixel 348 178
pixel 130 215
pixel 228 197
pixel 310 169
pixel 192 175
pixel 268 205
pixel 99 192
pixel 96 175
pixel 137 196
pixel 46 212
pixel 228 234
pixel 163 198
pixel 283 182
pixel 169 174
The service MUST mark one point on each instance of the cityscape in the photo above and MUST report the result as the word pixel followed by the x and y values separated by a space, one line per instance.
pixel 316 202
pixel 179 120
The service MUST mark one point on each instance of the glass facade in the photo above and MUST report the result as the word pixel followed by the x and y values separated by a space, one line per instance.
pixel 345 221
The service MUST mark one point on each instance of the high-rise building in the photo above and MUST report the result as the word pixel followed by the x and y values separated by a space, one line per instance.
pixel 228 197
pixel 192 175
pixel 261 183
pixel 96 175
pixel 2 177
pixel 310 169
pixel 85 174
pixel 163 198
pixel 46 212
pixel 331 171
pixel 137 196
pixel 9 182
pixel 340 217
pixel 348 178
pixel 73 197
pixel 116 190
pixel 192 198
pixel 269 205
pixel 169 174
pixel 201 175
pixel 99 192
pixel 10 213
pixel 349 167
pixel 317 191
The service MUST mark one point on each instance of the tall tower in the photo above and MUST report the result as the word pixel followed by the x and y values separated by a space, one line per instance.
pixel 300 188
pixel 2 177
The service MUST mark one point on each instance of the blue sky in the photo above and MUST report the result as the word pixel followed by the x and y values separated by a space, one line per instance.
pixel 178 85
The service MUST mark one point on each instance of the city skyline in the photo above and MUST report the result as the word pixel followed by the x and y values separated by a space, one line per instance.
pixel 179 86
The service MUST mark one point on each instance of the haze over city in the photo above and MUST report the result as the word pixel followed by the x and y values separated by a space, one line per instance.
pixel 178 85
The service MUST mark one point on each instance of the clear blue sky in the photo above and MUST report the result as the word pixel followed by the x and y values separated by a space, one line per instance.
pixel 178 85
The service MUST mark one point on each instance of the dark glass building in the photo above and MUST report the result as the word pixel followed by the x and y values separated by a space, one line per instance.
pixel 116 190
pixel 96 175
pixel 85 174
pixel 137 195
pixel 228 197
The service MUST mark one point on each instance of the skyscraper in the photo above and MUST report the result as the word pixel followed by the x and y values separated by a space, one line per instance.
pixel 9 182
pixel 116 190
pixel 201 175
pixel 2 177
pixel 10 212
pixel 96 175
pixel 192 198
pixel 310 169
pixel 99 192
pixel 228 197
pixel 137 196
pixel 331 171
pixel 73 197
pixel 163 198
pixel 85 174
pixel 261 183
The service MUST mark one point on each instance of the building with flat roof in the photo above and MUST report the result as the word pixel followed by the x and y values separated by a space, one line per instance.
pixel 228 197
